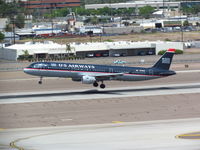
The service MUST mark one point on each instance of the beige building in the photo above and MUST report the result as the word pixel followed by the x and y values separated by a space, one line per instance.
pixel 9 1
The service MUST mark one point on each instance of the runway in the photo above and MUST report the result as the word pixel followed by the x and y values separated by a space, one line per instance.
pixel 154 135
pixel 100 94
pixel 61 114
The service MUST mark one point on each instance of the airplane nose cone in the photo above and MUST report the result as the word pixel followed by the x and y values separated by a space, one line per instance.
pixel 26 70
pixel 173 73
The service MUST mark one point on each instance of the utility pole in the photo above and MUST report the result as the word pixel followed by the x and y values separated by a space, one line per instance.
pixel 13 20
pixel 163 8
pixel 52 19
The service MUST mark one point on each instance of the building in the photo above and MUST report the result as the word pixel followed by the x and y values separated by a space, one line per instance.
pixel 92 29
pixel 50 4
pixel 123 48
pixel 35 50
pixel 157 4
pixel 3 23
pixel 10 1
pixel 48 50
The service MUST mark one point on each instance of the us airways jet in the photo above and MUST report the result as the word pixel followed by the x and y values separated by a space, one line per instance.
pixel 93 74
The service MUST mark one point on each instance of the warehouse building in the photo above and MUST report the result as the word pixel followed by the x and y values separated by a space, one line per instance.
pixel 50 50
pixel 123 48
pixel 157 4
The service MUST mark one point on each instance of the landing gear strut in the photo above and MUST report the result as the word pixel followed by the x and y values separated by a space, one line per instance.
pixel 40 82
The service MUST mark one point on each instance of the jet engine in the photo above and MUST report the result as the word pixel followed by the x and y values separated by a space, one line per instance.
pixel 88 79
pixel 76 79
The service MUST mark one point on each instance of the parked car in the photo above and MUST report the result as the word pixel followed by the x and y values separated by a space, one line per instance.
pixel 123 54
pixel 142 53
pixel 105 54
pixel 150 53
pixel 90 55
pixel 119 62
pixel 116 55
pixel 97 55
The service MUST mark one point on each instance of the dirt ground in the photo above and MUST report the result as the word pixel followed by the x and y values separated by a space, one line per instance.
pixel 174 36
pixel 99 111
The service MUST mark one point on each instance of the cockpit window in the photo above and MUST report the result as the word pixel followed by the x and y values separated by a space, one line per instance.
pixel 31 65
pixel 38 65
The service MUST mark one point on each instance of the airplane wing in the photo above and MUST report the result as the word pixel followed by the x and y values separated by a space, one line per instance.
pixel 107 76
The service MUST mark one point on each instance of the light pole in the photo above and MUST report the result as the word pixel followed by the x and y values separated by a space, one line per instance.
pixel 13 21
pixel 52 5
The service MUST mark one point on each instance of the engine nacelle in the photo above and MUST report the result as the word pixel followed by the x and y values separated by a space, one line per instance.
pixel 76 79
pixel 88 79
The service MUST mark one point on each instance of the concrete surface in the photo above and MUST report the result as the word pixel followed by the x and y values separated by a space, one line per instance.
pixel 154 135
pixel 131 91
pixel 95 110
pixel 12 82
pixel 123 113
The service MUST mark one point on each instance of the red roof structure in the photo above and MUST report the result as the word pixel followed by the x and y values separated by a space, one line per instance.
pixel 49 4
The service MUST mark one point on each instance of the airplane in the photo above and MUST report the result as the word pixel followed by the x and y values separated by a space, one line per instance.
pixel 93 74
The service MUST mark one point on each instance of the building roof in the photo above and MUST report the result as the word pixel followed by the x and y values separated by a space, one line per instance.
pixel 39 47
pixel 46 4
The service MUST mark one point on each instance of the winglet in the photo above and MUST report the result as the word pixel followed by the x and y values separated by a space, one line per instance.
pixel 171 50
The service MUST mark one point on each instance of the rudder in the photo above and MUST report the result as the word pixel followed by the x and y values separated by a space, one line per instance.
pixel 165 61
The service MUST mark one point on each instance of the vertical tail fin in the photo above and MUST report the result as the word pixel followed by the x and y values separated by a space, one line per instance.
pixel 165 61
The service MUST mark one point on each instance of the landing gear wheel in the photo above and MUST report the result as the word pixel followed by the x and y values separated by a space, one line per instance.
pixel 102 86
pixel 95 84
pixel 40 82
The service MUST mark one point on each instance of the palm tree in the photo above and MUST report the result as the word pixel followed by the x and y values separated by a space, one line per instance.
pixel 68 49
pixel 1 37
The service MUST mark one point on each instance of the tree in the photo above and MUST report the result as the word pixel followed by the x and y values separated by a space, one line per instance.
pixel 2 36
pixel 19 21
pixel 186 23
pixel 146 11
pixel 194 9
pixel 8 28
pixel 94 20
pixel 26 54
pixel 105 11
pixel 9 9
pixel 68 49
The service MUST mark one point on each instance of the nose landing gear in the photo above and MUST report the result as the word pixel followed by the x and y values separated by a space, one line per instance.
pixel 40 82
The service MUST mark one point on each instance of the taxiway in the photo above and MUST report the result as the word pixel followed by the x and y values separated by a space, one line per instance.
pixel 156 135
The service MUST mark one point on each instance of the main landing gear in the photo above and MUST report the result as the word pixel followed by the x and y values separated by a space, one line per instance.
pixel 40 82
pixel 95 84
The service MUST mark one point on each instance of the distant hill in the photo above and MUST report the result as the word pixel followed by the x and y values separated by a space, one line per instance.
pixel 102 1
